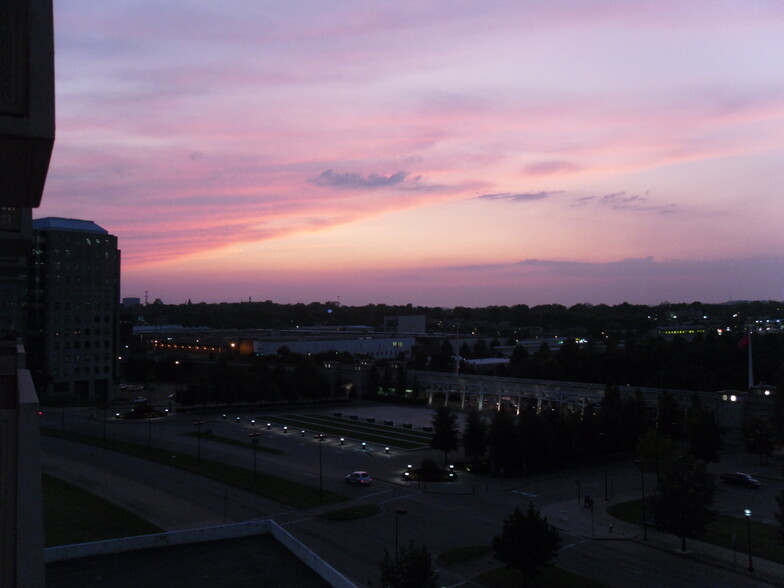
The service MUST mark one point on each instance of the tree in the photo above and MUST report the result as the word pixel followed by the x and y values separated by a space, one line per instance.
pixel 703 432
pixel 411 568
pixel 527 542
pixel 445 434
pixel 655 450
pixel 682 504
pixel 758 437
pixel 667 415
pixel 502 440
pixel 780 514
pixel 474 436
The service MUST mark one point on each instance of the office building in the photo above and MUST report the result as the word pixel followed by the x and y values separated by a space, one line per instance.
pixel 74 309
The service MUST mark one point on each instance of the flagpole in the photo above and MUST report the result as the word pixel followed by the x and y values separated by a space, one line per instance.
pixel 751 365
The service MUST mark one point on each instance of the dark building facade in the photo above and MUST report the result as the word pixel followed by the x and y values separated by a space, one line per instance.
pixel 74 308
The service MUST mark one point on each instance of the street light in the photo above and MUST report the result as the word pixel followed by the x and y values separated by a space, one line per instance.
pixel 747 512
pixel 642 485
pixel 604 450
pixel 254 442
pixel 397 516
pixel 198 440
pixel 321 471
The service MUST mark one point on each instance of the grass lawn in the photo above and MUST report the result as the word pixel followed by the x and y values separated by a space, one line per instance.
pixel 361 511
pixel 501 577
pixel 235 442
pixel 361 431
pixel 725 531
pixel 461 554
pixel 287 492
pixel 552 577
pixel 73 515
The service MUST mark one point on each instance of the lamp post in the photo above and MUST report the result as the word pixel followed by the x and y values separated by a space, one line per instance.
pixel 747 512
pixel 198 440
pixel 254 442
pixel 642 485
pixel 321 471
pixel 397 516
pixel 604 450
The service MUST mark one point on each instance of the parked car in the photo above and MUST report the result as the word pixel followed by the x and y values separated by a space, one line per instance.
pixel 361 478
pixel 741 479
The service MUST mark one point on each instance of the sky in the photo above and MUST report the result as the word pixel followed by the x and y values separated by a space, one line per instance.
pixel 438 152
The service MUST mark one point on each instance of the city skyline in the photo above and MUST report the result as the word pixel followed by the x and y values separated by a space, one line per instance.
pixel 440 154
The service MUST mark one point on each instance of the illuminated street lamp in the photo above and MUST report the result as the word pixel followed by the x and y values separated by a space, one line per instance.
pixel 747 512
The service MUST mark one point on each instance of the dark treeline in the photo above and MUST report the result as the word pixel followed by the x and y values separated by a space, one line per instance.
pixel 200 383
pixel 619 322
pixel 554 436
pixel 708 362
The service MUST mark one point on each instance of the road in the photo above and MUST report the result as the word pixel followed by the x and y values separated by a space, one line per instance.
pixel 471 513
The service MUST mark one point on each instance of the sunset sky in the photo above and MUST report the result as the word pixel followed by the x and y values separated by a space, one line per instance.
pixel 438 153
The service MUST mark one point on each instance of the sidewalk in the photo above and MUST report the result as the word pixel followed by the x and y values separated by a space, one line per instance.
pixel 598 525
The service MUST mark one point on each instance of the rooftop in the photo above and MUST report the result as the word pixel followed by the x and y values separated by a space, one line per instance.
pixel 54 223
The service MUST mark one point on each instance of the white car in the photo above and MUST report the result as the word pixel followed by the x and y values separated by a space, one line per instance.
pixel 360 478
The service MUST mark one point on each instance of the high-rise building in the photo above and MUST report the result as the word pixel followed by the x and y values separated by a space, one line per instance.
pixel 74 308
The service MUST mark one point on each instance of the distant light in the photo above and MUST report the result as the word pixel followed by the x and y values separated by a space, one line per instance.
pixel 733 398
pixel 747 512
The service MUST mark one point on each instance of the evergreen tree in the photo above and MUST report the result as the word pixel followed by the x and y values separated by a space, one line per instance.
pixel 411 568
pixel 703 433
pixel 682 503
pixel 527 542
pixel 668 419
pixel 758 437
pixel 655 451
pixel 501 440
pixel 445 432
pixel 474 436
